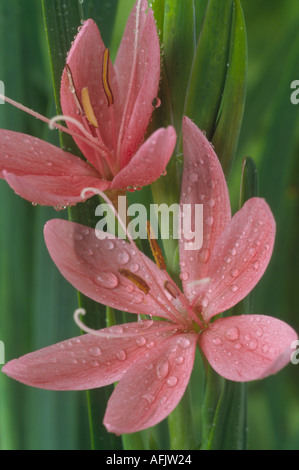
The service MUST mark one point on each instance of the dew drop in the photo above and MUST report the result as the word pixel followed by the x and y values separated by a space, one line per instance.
pixel 162 369
pixel 205 302
pixel 253 344
pixel 149 398
pixel 193 177
pixel 237 346
pixel 109 245
pixel 204 255
pixel 259 332
pixel 78 237
pixel 184 343
pixel 232 333
pixel 107 280
pixel 172 381
pixel 234 272
pixel 123 257
pixel 95 351
pixel 141 341
pixel 134 267
pixel 179 360
pixel 256 266
pixel 121 355
pixel 209 221
pixel 184 276
pixel 234 288
pixel 211 202
pixel 216 341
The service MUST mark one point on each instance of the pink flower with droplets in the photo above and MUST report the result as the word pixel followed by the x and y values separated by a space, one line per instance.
pixel 107 109
pixel 152 360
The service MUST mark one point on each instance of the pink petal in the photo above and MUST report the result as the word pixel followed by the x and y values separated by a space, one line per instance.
pixel 138 73
pixel 247 347
pixel 87 361
pixel 203 183
pixel 92 266
pixel 85 61
pixel 53 190
pixel 153 387
pixel 23 154
pixel 240 257
pixel 149 162
pixel 43 173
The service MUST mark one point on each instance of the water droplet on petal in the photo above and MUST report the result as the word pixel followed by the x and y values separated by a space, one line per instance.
pixel 259 332
pixel 234 272
pixel 204 255
pixel 253 344
pixel 234 288
pixel 95 351
pixel 78 237
pixel 134 267
pixel 123 257
pixel 172 381
pixel 109 245
pixel 184 276
pixel 193 177
pixel 209 221
pixel 179 360
pixel 107 280
pixel 149 398
pixel 184 342
pixel 232 333
pixel 121 355
pixel 162 369
pixel 141 341
pixel 217 341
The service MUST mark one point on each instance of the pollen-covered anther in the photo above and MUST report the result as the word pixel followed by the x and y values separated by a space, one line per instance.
pixel 156 250
pixel 105 78
pixel 88 108
pixel 135 279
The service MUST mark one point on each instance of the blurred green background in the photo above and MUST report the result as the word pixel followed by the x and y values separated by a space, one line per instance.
pixel 36 303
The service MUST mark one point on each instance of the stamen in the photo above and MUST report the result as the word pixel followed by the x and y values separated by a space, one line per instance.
pixel 105 78
pixel 171 311
pixel 72 88
pixel 135 279
pixel 172 289
pixel 100 333
pixel 88 108
pixel 90 140
pixel 156 250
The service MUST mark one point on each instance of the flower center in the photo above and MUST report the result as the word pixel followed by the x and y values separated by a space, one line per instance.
pixel 105 159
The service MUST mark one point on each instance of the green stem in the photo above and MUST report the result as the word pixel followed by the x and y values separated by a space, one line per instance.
pixel 180 424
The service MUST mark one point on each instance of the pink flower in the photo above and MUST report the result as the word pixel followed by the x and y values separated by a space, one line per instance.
pixel 107 109
pixel 153 360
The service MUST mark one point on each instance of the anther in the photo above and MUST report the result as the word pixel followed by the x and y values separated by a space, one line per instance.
pixel 105 78
pixel 171 289
pixel 156 250
pixel 88 108
pixel 137 280
pixel 72 88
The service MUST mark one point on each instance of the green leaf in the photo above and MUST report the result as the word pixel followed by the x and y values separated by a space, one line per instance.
pixel 226 135
pixel 209 68
pixel 249 181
